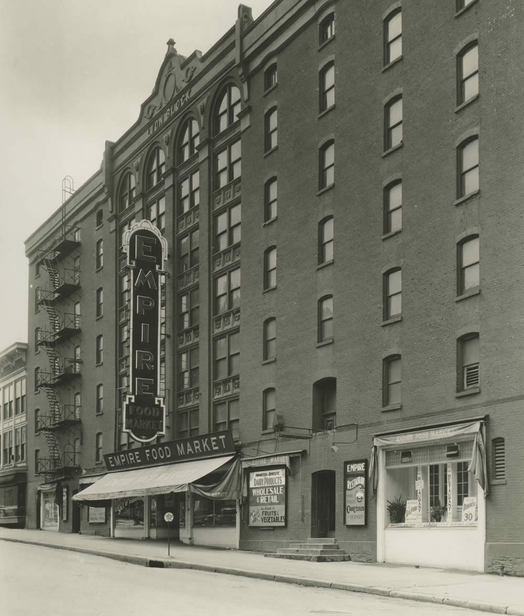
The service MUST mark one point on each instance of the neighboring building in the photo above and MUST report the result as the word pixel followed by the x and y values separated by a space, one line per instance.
pixel 13 435
pixel 342 293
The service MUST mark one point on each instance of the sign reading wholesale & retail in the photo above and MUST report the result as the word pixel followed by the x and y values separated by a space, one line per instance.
pixel 267 497
pixel 144 413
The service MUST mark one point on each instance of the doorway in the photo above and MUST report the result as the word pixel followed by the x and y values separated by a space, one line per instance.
pixel 322 503
pixel 75 515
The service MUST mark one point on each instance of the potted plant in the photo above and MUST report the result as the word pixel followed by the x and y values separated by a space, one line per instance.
pixel 397 510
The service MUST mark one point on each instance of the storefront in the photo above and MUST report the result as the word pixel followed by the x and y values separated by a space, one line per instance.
pixel 49 509
pixel 431 485
pixel 186 489
pixel 12 498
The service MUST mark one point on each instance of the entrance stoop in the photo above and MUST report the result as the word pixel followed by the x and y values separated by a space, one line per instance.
pixel 320 550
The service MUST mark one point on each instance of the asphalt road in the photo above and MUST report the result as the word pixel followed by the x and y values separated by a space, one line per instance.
pixel 47 582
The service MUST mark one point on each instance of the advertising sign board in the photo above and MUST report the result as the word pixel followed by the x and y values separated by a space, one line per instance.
pixel 355 488
pixel 267 497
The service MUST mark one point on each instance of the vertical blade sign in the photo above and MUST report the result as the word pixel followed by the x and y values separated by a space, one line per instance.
pixel 144 410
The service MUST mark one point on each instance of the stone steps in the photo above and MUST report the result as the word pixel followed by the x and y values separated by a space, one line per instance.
pixel 316 549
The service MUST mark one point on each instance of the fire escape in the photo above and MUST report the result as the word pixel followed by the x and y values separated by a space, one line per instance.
pixel 61 426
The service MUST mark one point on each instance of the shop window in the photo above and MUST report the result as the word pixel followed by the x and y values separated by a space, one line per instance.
pixel 393 37
pixel 210 513
pixel 227 109
pixel 325 319
pixel 129 513
pixel 270 77
pixel 189 141
pixel 189 193
pixel 468 264
pixel 270 199
pixel 424 487
pixel 468 373
pixel 155 168
pixel 127 191
pixel 326 87
pixel 228 164
pixel 227 291
pixel 393 207
pixel 228 228
pixel 270 268
pixel 498 459
pixel 161 504
pixel 326 29
pixel 324 404
pixel 393 123
pixel 227 417
pixel 268 408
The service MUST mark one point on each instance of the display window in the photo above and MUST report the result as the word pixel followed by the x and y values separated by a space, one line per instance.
pixel 211 513
pixel 163 503
pixel 431 485
pixel 129 513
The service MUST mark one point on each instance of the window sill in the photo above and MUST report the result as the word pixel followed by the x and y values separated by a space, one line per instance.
pixel 498 482
pixel 324 343
pixel 268 222
pixel 392 149
pixel 321 191
pixel 392 63
pixel 389 234
pixel 391 407
pixel 325 264
pixel 463 10
pixel 396 319
pixel 465 198
pixel 98 413
pixel 268 152
pixel 325 43
pixel 468 392
pixel 99 363
pixel 270 89
pixel 100 316
pixel 269 431
pixel 99 269
pixel 269 290
pixel 325 111
pixel 436 525
pixel 265 362
pixel 99 227
pixel 468 293
pixel 460 107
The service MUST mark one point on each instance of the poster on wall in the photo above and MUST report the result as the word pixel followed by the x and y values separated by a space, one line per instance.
pixel 355 485
pixel 96 515
pixel 267 497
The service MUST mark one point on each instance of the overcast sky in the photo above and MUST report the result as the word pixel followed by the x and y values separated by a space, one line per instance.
pixel 73 74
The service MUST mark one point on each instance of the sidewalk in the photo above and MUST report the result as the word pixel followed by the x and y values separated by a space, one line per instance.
pixel 490 593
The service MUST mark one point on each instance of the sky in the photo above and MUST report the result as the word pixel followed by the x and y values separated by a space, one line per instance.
pixel 73 75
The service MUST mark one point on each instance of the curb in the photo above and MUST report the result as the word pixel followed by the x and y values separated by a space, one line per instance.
pixel 145 561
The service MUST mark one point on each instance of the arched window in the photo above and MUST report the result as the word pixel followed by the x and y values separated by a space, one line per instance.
pixel 393 207
pixel 326 29
pixel 468 167
pixel 324 404
pixel 393 123
pixel 189 141
pixel 270 268
pixel 391 380
pixel 270 77
pixel 468 362
pixel 270 129
pixel 325 319
pixel 468 73
pixel 269 342
pixel 392 293
pixel 325 240
pixel 155 168
pixel 326 165
pixel 268 408
pixel 270 199
pixel 126 191
pixel 468 261
pixel 227 109
pixel 393 37
pixel 326 86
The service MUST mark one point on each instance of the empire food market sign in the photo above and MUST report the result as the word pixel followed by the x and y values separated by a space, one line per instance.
pixel 144 413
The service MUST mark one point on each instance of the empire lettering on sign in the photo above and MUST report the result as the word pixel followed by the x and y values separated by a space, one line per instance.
pixel 144 410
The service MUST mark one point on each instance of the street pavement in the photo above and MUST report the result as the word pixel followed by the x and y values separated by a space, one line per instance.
pixel 490 593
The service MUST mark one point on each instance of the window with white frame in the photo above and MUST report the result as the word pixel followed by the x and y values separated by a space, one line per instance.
pixel 468 264
pixel 393 37
pixel 468 73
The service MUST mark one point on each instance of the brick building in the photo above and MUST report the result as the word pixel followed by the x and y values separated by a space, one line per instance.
pixel 340 193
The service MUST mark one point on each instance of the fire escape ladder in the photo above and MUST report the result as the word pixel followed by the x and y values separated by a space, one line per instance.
pixel 54 451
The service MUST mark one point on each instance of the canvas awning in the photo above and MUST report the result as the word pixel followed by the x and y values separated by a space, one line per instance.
pixel 151 480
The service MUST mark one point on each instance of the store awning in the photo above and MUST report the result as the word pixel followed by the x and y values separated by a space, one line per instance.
pixel 151 480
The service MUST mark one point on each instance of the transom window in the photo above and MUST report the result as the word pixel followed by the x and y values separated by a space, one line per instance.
pixel 326 29
pixel 228 108
pixel 392 294
pixel 468 73
pixel 271 129
pixel 155 169
pixel 270 199
pixel 325 319
pixel 127 192
pixel 189 141
pixel 393 123
pixel 270 268
pixel 227 228
pixel 227 355
pixel 228 164
pixel 393 207
pixel 327 165
pixel 468 167
pixel 189 193
pixel 469 264
pixel 393 37
pixel 327 86
pixel 325 240
pixel 227 291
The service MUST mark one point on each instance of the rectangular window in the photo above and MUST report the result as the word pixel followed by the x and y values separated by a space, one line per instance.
pixel 227 356
pixel 156 213
pixel 270 268
pixel 99 398
pixel 99 254
pixel 99 445
pixel 325 241
pixel 268 408
pixel 99 349
pixel 468 73
pixel 227 417
pixel 270 130
pixel 469 364
pixel 188 250
pixel 188 369
pixel 227 228
pixel 227 291
pixel 99 302
pixel 228 165
pixel 187 423
pixel 270 340
pixel 270 77
pixel 392 381
pixel 469 265
pixel 189 193
pixel 188 309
